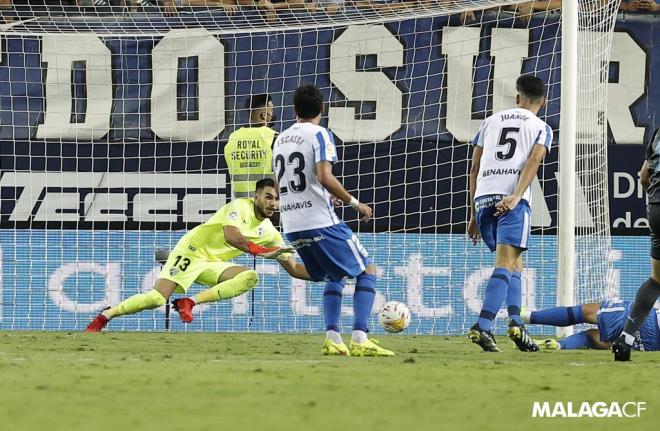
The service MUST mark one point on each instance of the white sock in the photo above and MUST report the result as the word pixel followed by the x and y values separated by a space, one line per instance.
pixel 630 340
pixel 359 336
pixel 525 315
pixel 334 336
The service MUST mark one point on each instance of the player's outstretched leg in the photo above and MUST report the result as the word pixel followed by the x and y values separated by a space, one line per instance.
pixel 332 295
pixel 155 298
pixel 556 316
pixel 363 301
pixel 232 282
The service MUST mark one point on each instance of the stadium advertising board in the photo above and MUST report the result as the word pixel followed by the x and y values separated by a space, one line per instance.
pixel 440 277
pixel 143 117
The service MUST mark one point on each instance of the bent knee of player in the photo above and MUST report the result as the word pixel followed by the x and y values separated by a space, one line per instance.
pixel 590 313
pixel 518 266
pixel 165 287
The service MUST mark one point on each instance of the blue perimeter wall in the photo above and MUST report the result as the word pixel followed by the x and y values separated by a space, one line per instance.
pixel 31 258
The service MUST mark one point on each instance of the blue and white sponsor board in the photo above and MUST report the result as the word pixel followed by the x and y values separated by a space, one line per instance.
pixel 58 280
pixel 122 113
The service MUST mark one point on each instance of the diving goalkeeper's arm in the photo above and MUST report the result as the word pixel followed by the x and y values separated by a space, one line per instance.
pixel 283 255
pixel 235 238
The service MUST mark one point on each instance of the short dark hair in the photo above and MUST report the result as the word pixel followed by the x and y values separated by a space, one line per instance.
pixel 259 101
pixel 308 101
pixel 531 87
pixel 265 182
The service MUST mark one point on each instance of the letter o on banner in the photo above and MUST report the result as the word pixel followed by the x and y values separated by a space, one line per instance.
pixel 111 272
pixel 211 86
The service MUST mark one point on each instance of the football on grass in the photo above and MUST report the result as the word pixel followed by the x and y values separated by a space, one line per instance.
pixel 394 316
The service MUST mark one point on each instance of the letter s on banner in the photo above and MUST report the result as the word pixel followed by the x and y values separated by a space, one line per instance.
pixel 365 85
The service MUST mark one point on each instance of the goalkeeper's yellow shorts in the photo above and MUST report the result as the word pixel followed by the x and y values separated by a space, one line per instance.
pixel 185 268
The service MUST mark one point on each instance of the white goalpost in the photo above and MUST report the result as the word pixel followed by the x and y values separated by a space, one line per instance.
pixel 112 130
pixel 567 136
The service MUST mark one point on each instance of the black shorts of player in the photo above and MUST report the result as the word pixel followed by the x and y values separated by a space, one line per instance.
pixel 653 214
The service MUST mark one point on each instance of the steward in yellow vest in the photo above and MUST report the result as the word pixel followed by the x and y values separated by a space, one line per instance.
pixel 248 152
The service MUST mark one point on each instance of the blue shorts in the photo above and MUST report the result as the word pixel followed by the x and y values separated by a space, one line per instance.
pixel 330 253
pixel 512 227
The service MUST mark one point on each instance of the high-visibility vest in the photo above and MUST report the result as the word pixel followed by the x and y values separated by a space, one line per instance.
pixel 249 154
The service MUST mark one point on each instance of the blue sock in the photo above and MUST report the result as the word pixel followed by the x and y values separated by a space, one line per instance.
pixel 558 316
pixel 363 300
pixel 495 294
pixel 514 297
pixel 332 304
pixel 575 341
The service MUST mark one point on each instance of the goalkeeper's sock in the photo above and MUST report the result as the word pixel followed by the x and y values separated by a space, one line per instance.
pixel 644 300
pixel 557 316
pixel 575 341
pixel 495 293
pixel 139 302
pixel 363 300
pixel 241 283
pixel 332 304
pixel 514 298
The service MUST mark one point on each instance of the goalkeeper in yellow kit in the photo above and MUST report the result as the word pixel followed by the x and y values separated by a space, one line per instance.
pixel 202 255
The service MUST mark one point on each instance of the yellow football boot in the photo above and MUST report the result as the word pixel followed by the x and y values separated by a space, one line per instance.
pixel 368 348
pixel 330 348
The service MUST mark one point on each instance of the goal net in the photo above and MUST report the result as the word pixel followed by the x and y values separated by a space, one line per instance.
pixel 113 124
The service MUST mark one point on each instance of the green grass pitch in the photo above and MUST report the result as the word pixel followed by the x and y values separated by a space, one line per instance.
pixel 201 381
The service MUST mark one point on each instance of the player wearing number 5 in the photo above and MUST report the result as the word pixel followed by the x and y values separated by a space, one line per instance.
pixel 302 161
pixel 508 151
pixel 203 256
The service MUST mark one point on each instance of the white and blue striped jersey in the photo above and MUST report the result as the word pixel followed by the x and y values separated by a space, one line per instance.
pixel 507 139
pixel 304 203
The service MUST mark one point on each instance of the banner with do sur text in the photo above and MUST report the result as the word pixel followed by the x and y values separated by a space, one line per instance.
pixel 135 125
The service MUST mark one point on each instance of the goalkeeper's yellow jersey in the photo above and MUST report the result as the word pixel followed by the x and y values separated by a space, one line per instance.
pixel 208 239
